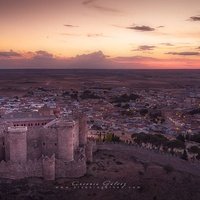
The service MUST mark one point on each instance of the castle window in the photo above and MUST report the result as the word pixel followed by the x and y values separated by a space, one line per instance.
pixel 43 143
pixel 55 144
pixel 3 144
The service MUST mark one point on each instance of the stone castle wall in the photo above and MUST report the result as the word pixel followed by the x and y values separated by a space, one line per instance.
pixel 48 168
pixel 49 141
pixel 73 169
pixel 34 143
pixel 17 170
pixel 89 151
pixel 31 123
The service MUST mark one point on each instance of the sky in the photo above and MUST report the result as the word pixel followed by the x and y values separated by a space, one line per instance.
pixel 133 34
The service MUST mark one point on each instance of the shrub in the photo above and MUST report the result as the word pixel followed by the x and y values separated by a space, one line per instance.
pixel 194 149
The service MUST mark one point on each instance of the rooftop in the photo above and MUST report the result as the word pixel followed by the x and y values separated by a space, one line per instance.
pixel 24 116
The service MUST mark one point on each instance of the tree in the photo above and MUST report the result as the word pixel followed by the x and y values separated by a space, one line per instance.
pixel 194 149
pixel 195 138
pixel 175 144
pixel 104 138
pixel 144 112
pixel 198 156
pixel 125 98
pixel 181 138
pixel 185 155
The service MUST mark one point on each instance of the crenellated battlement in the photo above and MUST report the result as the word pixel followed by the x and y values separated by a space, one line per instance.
pixel 47 167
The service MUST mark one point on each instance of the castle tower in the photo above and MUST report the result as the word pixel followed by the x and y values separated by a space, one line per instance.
pixel 65 140
pixel 17 144
pixel 83 130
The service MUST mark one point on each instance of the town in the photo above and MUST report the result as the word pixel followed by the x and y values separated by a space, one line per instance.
pixel 163 119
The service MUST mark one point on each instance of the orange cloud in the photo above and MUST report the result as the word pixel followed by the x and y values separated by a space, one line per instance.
pixel 96 60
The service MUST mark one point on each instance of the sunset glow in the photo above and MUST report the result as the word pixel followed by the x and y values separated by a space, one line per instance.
pixel 100 34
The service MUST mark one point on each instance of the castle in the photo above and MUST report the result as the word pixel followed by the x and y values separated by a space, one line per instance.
pixel 40 145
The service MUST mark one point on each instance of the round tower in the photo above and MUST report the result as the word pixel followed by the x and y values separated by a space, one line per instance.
pixel 17 144
pixel 83 130
pixel 65 140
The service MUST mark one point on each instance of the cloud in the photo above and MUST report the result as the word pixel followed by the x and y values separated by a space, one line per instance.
pixel 8 54
pixel 43 54
pixel 195 18
pixel 160 26
pixel 134 58
pixel 43 59
pixel 86 2
pixel 117 26
pixel 185 53
pixel 70 25
pixel 141 28
pixel 137 62
pixel 167 44
pixel 95 35
pixel 145 62
pixel 37 59
pixel 105 9
pixel 96 60
pixel 90 35
pixel 70 34
pixel 145 48
pixel 99 7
